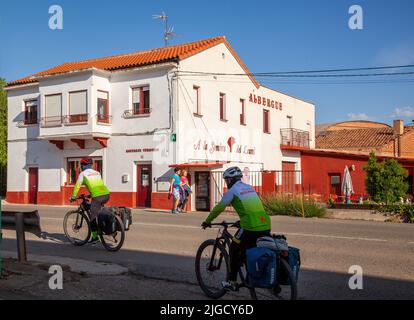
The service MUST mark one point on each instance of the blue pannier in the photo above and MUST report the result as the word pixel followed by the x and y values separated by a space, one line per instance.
pixel 261 267
pixel 294 261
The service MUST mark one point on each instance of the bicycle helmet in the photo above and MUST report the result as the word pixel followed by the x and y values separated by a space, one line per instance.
pixel 233 172
pixel 86 162
pixel 232 175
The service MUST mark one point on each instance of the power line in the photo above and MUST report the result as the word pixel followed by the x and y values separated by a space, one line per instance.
pixel 310 73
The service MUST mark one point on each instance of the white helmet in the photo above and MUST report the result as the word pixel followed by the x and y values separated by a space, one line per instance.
pixel 233 172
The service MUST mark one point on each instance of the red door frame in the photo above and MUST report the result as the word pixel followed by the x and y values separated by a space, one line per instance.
pixel 144 193
pixel 33 184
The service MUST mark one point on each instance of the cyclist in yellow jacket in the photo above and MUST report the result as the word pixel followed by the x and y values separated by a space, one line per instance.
pixel 99 192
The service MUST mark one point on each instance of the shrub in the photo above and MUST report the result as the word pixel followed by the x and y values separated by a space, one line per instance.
pixel 292 206
pixel 386 182
pixel 404 211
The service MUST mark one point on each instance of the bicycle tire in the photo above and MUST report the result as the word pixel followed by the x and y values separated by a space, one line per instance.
pixel 292 283
pixel 106 245
pixel 65 227
pixel 209 293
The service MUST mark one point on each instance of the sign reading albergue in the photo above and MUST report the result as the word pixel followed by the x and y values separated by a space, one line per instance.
pixel 265 102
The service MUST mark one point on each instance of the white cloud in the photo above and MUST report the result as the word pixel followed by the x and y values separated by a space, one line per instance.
pixel 358 116
pixel 399 55
pixel 404 112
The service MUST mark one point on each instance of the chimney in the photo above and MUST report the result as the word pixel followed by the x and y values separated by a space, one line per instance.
pixel 398 132
pixel 398 127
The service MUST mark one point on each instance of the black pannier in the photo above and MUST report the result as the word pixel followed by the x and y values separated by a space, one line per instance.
pixel 126 217
pixel 106 221
pixel 125 214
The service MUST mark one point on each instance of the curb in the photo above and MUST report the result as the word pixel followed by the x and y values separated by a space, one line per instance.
pixel 76 265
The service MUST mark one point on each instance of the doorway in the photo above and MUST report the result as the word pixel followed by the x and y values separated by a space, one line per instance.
pixel 33 184
pixel 335 184
pixel 144 185
pixel 202 190
pixel 288 177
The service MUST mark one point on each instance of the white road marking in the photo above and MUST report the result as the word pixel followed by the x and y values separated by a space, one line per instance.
pixel 164 225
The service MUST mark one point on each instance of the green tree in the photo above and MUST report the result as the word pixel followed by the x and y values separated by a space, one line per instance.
pixel 385 181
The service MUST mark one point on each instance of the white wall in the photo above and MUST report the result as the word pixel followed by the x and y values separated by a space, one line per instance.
pixel 209 128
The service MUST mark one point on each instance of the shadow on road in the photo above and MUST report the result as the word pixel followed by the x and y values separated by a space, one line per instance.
pixel 173 268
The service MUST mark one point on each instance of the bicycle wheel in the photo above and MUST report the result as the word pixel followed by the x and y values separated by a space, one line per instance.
pixel 77 227
pixel 113 242
pixel 211 271
pixel 286 291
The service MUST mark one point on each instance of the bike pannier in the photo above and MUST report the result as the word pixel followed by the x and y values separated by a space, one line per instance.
pixel 294 261
pixel 106 221
pixel 126 217
pixel 261 267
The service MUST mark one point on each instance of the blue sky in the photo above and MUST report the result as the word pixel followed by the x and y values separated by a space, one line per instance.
pixel 268 35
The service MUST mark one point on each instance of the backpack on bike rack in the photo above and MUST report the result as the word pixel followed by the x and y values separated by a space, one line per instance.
pixel 294 261
pixel 126 216
pixel 261 267
pixel 278 243
pixel 106 221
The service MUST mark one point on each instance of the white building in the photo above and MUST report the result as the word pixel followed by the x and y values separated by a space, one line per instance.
pixel 138 115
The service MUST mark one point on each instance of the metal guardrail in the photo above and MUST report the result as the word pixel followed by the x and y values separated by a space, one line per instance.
pixel 131 114
pixel 294 138
pixel 55 121
pixel 103 119
pixel 21 222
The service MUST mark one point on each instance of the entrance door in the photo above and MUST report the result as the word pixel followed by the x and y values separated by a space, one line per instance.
pixel 33 184
pixel 288 177
pixel 335 184
pixel 202 191
pixel 144 176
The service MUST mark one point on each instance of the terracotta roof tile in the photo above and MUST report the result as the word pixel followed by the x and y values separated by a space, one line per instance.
pixel 136 59
pixel 354 139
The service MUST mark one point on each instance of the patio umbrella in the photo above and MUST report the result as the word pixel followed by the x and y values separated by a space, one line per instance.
pixel 347 188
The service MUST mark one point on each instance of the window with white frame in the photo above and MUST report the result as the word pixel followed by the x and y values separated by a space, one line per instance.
pixel 53 110
pixel 141 100
pixel 197 100
pixel 74 168
pixel 78 106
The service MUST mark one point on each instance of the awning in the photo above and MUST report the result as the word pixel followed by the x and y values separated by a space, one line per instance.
pixel 199 164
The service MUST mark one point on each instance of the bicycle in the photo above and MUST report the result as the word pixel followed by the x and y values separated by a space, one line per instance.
pixel 78 222
pixel 215 253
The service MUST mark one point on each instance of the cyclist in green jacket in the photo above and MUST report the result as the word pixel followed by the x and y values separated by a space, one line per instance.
pixel 99 192
pixel 254 221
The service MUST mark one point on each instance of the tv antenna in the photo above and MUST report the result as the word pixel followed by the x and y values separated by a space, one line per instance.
pixel 168 31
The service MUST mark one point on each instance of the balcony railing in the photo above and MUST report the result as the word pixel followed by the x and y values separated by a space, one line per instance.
pixel 27 122
pixel 294 138
pixel 136 113
pixel 77 118
pixel 103 118
pixel 54 121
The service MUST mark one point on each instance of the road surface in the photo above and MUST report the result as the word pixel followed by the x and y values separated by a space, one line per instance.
pixel 161 247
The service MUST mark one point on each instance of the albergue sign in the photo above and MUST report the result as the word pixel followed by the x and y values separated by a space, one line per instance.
pixel 265 102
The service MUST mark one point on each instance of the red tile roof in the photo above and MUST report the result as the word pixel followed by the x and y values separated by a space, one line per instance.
pixel 136 59
pixel 356 138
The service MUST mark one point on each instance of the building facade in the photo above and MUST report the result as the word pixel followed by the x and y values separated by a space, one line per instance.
pixel 348 144
pixel 138 115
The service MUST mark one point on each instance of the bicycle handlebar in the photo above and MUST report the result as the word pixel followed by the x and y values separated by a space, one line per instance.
pixel 83 197
pixel 226 224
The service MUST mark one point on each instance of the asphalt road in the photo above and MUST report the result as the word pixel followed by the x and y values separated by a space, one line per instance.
pixel 162 247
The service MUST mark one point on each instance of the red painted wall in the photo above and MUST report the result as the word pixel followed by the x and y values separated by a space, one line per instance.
pixel 316 168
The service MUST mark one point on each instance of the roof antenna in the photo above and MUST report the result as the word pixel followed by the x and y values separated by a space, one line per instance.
pixel 168 31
